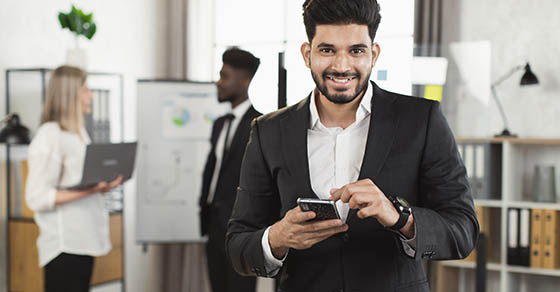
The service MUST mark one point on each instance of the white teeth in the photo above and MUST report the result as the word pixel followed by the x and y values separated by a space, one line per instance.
pixel 337 80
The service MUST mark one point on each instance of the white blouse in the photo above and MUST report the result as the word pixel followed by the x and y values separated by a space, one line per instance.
pixel 56 159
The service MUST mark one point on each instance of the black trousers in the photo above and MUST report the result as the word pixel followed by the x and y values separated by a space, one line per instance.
pixel 222 276
pixel 68 273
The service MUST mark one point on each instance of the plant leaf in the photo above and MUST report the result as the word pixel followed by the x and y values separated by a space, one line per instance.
pixel 63 19
pixel 78 22
pixel 91 31
pixel 87 17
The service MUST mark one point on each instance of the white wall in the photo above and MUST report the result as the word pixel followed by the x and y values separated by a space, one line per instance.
pixel 519 31
pixel 130 39
pixel 218 24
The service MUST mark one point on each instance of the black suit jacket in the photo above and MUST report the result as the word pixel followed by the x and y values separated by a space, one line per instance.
pixel 410 152
pixel 228 179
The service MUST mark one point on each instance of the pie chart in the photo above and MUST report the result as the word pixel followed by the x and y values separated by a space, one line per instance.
pixel 181 117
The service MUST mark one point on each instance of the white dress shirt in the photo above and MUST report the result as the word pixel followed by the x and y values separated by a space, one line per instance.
pixel 56 159
pixel 238 112
pixel 335 158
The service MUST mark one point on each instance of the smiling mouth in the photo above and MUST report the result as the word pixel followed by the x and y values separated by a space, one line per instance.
pixel 341 80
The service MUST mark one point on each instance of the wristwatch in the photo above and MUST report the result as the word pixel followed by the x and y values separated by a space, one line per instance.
pixel 403 208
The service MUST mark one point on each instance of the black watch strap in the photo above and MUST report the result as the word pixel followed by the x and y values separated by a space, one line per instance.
pixel 404 213
pixel 403 218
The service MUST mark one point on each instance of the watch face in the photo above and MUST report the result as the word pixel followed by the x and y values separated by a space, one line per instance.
pixel 403 202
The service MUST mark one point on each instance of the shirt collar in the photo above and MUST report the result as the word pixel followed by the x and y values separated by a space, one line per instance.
pixel 241 108
pixel 363 111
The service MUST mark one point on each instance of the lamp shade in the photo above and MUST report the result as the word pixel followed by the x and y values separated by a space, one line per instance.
pixel 14 132
pixel 529 77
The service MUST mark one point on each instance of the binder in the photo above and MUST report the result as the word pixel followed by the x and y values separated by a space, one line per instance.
pixel 551 244
pixel 483 162
pixel 524 237
pixel 469 159
pixel 537 238
pixel 513 237
pixel 480 165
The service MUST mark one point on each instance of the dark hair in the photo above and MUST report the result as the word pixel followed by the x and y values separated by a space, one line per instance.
pixel 241 59
pixel 341 12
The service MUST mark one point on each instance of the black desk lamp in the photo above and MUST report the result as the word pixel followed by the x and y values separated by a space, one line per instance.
pixel 14 132
pixel 528 78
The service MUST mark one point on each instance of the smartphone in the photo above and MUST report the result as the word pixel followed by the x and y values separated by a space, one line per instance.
pixel 324 209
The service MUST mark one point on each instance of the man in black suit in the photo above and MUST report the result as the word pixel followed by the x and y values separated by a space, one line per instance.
pixel 389 161
pixel 230 134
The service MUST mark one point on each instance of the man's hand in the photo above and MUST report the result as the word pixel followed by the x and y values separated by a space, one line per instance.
pixel 371 202
pixel 293 231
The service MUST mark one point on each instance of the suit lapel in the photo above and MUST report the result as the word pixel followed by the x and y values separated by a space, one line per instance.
pixel 211 160
pixel 382 126
pixel 219 125
pixel 216 133
pixel 294 145
pixel 241 131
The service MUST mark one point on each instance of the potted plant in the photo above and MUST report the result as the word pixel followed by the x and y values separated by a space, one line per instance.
pixel 80 24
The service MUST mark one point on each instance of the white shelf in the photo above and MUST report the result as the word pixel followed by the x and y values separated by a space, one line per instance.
pixel 516 141
pixel 489 203
pixel 533 271
pixel 533 205
pixel 470 265
pixel 519 158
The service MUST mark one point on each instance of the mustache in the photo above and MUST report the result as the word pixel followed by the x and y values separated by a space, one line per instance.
pixel 341 74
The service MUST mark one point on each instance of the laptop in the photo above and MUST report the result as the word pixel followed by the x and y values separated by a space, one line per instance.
pixel 105 162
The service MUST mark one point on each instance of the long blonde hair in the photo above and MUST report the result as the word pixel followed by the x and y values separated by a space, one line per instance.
pixel 63 104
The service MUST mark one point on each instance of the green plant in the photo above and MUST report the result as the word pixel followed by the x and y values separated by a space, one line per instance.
pixel 78 22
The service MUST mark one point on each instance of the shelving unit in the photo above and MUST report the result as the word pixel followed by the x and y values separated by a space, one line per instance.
pixel 489 203
pixel 533 271
pixel 518 159
pixel 471 265
pixel 533 205
pixel 25 94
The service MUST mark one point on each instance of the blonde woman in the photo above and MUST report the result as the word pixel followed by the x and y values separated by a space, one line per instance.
pixel 73 225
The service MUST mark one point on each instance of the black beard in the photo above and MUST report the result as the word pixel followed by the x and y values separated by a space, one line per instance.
pixel 340 98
